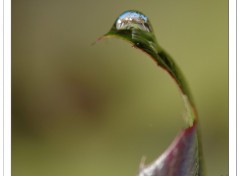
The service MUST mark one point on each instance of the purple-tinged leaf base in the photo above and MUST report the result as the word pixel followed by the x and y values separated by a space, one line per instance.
pixel 180 159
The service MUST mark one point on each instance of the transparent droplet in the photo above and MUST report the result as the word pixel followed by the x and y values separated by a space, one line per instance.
pixel 133 20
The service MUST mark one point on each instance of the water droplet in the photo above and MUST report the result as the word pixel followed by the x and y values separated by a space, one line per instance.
pixel 133 20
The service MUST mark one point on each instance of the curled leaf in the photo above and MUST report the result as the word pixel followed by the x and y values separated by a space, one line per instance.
pixel 183 156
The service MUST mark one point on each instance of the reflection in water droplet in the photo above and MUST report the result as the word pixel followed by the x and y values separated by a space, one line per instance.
pixel 133 19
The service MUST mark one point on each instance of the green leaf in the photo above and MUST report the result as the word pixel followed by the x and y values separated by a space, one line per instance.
pixel 183 157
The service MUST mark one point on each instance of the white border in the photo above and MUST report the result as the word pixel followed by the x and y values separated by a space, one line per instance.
pixel 1 90
pixel 7 87
pixel 232 88
pixel 238 85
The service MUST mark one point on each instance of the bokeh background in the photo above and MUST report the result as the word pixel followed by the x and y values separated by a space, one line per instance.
pixel 82 109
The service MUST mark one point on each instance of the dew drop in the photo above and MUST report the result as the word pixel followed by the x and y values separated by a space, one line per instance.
pixel 133 20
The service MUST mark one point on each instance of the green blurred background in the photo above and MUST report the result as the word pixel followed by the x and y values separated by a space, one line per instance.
pixel 82 109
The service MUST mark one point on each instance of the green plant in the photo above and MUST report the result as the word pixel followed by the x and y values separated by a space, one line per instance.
pixel 183 157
